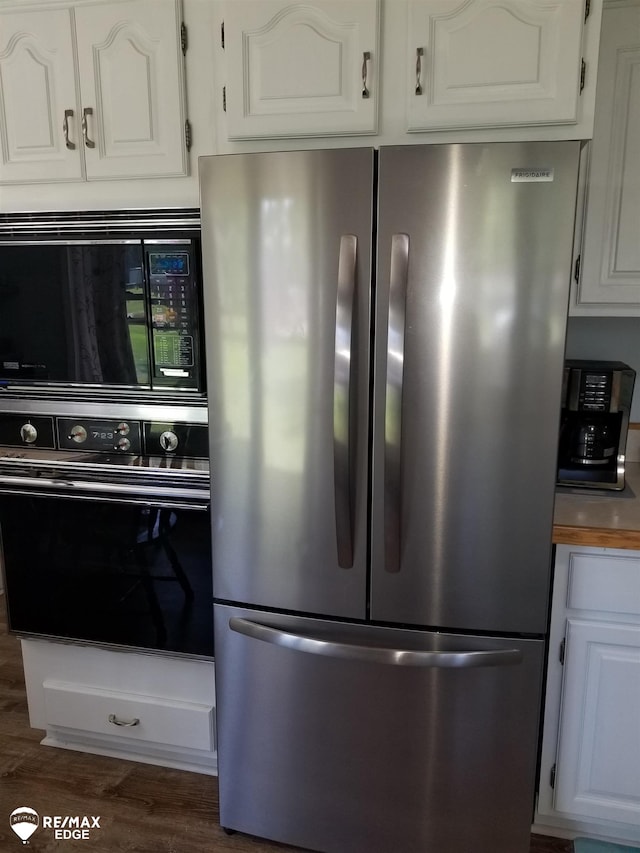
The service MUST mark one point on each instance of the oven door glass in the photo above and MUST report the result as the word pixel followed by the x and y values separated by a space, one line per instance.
pixel 74 313
pixel 111 573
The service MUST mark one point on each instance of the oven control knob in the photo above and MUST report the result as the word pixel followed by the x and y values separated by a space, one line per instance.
pixel 123 429
pixel 123 444
pixel 168 441
pixel 28 433
pixel 78 434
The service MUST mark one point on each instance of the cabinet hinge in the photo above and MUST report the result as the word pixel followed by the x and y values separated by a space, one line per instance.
pixel 183 38
pixel 552 777
pixel 576 270
pixel 224 99
pixel 561 652
pixel 587 9
pixel 222 34
pixel 583 74
pixel 187 134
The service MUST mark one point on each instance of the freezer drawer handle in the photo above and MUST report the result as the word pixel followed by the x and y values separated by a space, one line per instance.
pixel 398 283
pixel 342 439
pixel 374 654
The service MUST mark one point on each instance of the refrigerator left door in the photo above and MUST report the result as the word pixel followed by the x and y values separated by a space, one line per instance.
pixel 286 243
pixel 356 739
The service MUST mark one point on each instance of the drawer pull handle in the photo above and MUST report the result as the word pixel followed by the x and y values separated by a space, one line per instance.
pixel 128 723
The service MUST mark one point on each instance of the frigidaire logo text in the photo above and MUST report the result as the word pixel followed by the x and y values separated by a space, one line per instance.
pixel 24 821
pixel 533 174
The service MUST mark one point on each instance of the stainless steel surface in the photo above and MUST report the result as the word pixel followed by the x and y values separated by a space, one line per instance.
pixel 486 304
pixel 399 271
pixel 87 111
pixel 77 402
pixel 274 225
pixel 356 651
pixel 345 755
pixel 357 735
pixel 18 225
pixel 342 448
pixel 65 130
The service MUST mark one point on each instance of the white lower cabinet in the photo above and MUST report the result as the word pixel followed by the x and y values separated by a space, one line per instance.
pixel 590 762
pixel 146 708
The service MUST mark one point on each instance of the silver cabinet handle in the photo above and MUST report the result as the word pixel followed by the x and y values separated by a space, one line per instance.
pixel 366 57
pixel 65 129
pixel 419 55
pixel 393 400
pixel 374 654
pixel 126 723
pixel 87 111
pixel 342 399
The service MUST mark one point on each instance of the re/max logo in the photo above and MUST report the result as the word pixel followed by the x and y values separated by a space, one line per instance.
pixel 69 822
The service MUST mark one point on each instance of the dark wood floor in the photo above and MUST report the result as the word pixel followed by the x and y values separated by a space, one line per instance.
pixel 142 808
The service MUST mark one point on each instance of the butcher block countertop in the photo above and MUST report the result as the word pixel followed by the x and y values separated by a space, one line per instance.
pixel 600 520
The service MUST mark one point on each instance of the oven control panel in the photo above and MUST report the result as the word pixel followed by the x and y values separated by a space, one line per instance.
pixel 176 439
pixel 104 436
pixel 27 431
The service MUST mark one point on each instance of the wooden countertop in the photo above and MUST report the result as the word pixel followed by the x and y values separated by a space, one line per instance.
pixel 602 521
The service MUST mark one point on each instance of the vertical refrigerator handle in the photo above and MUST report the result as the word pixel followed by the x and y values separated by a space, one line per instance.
pixel 342 399
pixel 398 281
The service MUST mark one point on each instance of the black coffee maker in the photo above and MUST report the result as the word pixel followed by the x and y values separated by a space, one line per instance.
pixel 596 401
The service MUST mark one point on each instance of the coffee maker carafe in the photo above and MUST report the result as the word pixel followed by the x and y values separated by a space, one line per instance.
pixel 596 401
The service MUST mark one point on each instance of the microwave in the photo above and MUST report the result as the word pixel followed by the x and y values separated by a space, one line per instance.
pixel 101 299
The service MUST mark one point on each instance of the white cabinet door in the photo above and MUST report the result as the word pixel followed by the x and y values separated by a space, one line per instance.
pixel 300 69
pixel 131 85
pixel 598 765
pixel 491 63
pixel 124 61
pixel 37 91
pixel 610 262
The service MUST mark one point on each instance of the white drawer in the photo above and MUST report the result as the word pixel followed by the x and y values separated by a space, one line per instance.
pixel 604 582
pixel 162 721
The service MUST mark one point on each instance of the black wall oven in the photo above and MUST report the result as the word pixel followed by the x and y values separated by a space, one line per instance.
pixel 104 473
pixel 104 545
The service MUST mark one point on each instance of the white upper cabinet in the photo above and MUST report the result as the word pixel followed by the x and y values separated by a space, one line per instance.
pixel 492 63
pixel 300 69
pixel 609 281
pixel 92 91
pixel 37 97
pixel 130 73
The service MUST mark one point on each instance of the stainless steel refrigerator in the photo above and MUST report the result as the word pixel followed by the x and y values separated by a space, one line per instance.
pixel 385 335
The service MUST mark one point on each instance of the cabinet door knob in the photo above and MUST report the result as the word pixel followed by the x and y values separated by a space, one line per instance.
pixel 87 111
pixel 419 55
pixel 366 57
pixel 65 129
pixel 127 723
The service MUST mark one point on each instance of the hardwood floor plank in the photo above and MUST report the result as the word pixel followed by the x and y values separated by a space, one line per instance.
pixel 142 808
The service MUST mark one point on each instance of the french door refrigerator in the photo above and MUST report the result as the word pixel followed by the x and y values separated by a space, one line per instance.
pixel 385 335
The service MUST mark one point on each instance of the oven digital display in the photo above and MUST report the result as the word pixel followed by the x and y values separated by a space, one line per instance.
pixel 169 263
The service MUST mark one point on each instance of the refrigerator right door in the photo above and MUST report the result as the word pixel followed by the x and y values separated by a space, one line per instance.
pixel 474 264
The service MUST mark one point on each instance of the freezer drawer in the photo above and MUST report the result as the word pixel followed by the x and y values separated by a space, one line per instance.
pixel 340 737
